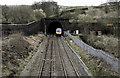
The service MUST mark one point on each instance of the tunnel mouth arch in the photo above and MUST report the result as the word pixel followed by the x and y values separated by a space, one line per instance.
pixel 53 26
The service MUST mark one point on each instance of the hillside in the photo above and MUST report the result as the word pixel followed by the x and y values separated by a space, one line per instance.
pixel 92 19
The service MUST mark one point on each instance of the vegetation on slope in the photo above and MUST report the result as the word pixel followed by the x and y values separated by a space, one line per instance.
pixel 93 15
pixel 96 66
pixel 17 50
pixel 100 16
pixel 21 14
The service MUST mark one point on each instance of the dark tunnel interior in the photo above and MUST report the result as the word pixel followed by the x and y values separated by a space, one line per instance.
pixel 53 26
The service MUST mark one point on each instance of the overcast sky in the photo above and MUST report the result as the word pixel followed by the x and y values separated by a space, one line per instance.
pixel 60 2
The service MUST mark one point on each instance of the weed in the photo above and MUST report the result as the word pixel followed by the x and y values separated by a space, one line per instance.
pixel 96 66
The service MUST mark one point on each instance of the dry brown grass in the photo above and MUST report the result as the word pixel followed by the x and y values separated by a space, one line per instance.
pixel 17 50
pixel 107 43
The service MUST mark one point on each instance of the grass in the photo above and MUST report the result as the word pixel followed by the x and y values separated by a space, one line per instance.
pixel 107 43
pixel 77 37
pixel 17 52
pixel 53 16
pixel 96 66
pixel 76 7
pixel 10 68
pixel 23 63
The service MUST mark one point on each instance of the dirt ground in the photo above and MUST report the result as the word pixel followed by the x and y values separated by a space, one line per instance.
pixel 17 50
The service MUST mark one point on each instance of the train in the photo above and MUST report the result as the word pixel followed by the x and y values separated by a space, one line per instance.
pixel 58 32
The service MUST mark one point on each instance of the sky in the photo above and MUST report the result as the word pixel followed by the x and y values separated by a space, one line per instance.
pixel 60 2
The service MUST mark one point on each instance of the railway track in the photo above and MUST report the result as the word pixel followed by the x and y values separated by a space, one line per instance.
pixel 71 62
pixel 56 60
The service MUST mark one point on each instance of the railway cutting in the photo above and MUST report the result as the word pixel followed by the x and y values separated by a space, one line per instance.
pixel 54 58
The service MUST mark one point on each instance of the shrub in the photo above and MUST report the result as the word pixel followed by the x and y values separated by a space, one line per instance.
pixel 107 43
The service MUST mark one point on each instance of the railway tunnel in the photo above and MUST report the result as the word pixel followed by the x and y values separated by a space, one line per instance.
pixel 51 24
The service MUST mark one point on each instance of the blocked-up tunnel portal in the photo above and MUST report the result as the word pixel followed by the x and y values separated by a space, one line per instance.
pixel 53 26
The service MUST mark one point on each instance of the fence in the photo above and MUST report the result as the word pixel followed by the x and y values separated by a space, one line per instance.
pixel 112 61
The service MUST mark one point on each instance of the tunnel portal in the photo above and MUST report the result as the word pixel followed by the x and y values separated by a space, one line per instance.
pixel 50 25
pixel 53 26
